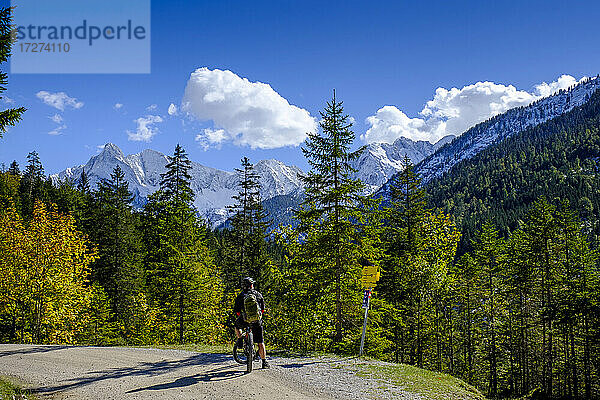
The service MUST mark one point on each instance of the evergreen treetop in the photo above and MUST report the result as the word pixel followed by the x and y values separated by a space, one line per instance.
pixel 116 190
pixel 10 116
pixel 175 183
pixel 13 169
pixel 329 185
pixel 84 184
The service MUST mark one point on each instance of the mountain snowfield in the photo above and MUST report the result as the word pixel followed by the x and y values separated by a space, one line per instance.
pixel 503 126
pixel 213 187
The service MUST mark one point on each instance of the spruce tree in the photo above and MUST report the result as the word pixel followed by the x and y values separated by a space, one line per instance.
pixel 487 248
pixel 407 209
pixel 84 184
pixel 248 229
pixel 332 199
pixel 32 182
pixel 401 285
pixel 118 268
pixel 542 238
pixel 175 183
pixel 9 190
pixel 11 116
pixel 180 273
pixel 13 169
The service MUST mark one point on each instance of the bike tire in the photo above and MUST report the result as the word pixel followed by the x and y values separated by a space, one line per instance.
pixel 239 355
pixel 249 352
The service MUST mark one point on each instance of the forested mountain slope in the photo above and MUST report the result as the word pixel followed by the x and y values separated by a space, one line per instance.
pixel 503 126
pixel 559 158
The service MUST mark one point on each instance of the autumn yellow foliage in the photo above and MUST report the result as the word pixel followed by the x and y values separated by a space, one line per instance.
pixel 44 267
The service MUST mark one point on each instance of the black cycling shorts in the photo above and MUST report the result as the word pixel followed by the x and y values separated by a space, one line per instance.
pixel 257 328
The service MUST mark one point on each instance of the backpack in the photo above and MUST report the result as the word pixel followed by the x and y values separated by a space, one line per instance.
pixel 251 308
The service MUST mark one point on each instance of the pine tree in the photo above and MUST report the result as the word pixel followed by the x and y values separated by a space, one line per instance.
pixel 403 237
pixel 541 235
pixel 118 268
pixel 84 184
pixel 468 294
pixel 332 197
pixel 9 190
pixel 419 247
pixel 407 209
pixel 34 169
pixel 180 271
pixel 14 169
pixel 487 248
pixel 248 229
pixel 11 116
pixel 32 182
pixel 175 183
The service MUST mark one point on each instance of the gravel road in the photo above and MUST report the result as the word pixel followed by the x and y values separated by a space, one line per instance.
pixel 65 372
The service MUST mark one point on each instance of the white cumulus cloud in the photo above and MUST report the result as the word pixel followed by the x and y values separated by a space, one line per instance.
pixel 243 112
pixel 152 107
pixel 213 135
pixel 172 109
pixel 59 100
pixel 118 106
pixel 57 118
pixel 145 128
pixel 456 110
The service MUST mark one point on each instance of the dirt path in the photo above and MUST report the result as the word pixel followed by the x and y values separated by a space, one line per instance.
pixel 130 373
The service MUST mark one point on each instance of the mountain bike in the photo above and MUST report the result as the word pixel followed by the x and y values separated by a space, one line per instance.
pixel 249 352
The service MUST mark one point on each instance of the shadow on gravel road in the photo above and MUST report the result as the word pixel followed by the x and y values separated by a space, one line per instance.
pixel 141 369
pixel 30 350
pixel 219 374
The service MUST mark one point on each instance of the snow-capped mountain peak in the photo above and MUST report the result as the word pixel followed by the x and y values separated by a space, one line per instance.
pixel 380 161
pixel 213 187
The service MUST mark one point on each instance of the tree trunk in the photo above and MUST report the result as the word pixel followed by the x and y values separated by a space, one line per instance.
pixel 573 360
pixel 338 307
pixel 586 360
pixel 493 363
pixel 181 318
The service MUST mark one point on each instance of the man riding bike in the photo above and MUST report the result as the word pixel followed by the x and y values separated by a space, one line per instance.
pixel 246 315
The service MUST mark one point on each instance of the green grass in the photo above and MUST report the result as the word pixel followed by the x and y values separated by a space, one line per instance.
pixel 429 384
pixel 10 391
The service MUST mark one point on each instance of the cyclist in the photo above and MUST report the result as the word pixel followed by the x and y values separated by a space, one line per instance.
pixel 240 322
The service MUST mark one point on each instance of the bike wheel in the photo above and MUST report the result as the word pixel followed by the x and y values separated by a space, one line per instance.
pixel 249 350
pixel 239 355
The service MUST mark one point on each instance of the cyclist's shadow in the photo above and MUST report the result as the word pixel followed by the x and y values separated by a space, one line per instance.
pixel 218 374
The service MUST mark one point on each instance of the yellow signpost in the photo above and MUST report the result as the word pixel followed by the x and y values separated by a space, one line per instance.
pixel 370 276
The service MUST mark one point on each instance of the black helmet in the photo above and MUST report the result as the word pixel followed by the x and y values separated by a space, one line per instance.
pixel 247 283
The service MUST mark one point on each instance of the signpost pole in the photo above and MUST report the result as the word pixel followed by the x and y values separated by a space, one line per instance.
pixel 370 276
pixel 362 340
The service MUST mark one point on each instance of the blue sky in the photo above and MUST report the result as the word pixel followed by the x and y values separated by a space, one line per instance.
pixel 375 54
